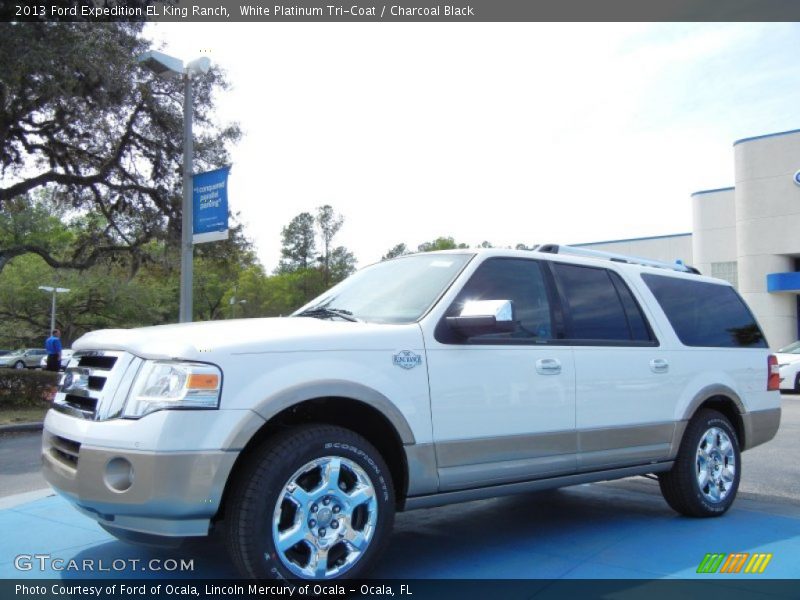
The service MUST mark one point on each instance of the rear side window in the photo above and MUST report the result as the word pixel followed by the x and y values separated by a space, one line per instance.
pixel 706 314
pixel 599 306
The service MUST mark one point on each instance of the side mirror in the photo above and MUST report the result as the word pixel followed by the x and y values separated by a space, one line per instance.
pixel 479 317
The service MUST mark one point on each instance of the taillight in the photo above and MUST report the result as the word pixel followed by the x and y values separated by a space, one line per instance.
pixel 773 374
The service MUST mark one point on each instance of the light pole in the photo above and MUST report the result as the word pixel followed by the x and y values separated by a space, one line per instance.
pixel 233 302
pixel 54 290
pixel 164 65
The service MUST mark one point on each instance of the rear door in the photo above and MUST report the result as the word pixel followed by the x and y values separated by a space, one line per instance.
pixel 625 392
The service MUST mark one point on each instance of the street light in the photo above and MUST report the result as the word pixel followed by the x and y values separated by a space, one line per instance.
pixel 164 65
pixel 54 291
pixel 233 302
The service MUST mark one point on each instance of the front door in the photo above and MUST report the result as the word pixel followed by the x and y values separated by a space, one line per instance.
pixel 503 404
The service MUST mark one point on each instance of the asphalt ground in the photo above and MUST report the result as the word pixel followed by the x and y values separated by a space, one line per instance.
pixel 613 530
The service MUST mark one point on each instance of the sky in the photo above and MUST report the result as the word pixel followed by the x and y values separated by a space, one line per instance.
pixel 505 132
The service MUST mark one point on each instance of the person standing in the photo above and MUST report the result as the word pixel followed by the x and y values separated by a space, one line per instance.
pixel 53 347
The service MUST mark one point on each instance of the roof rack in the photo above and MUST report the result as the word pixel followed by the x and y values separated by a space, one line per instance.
pixel 632 260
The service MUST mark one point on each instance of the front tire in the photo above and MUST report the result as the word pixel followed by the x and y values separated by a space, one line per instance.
pixel 705 478
pixel 316 503
pixel 19 365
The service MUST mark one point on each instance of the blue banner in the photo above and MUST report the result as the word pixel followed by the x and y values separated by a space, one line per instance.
pixel 210 198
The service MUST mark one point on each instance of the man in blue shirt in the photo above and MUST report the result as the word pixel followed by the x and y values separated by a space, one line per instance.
pixel 53 347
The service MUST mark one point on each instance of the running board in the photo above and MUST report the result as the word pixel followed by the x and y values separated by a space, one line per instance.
pixel 531 486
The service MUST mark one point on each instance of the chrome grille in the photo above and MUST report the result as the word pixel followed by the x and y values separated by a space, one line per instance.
pixel 91 387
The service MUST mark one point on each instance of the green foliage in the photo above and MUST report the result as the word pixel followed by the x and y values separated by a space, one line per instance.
pixel 304 273
pixel 298 244
pixel 398 250
pixel 23 388
pixel 440 243
pixel 94 133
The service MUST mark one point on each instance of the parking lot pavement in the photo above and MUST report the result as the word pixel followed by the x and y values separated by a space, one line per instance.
pixel 598 531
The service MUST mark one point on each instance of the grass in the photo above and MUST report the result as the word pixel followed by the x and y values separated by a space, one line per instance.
pixel 10 416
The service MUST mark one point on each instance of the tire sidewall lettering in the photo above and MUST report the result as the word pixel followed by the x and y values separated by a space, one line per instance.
pixel 359 453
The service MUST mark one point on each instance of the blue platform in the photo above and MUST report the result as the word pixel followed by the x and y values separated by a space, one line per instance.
pixel 599 531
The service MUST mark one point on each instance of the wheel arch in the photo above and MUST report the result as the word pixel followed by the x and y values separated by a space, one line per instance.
pixel 352 406
pixel 724 400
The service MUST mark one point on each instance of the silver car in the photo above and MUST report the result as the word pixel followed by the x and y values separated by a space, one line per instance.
pixel 23 358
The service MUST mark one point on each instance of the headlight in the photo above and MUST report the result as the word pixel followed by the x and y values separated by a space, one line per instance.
pixel 166 385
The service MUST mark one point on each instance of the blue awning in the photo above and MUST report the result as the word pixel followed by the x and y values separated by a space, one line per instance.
pixel 784 282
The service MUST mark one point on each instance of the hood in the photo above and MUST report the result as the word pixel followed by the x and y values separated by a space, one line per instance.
pixel 201 340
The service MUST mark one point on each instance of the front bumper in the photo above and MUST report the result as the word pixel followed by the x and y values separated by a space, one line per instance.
pixel 158 493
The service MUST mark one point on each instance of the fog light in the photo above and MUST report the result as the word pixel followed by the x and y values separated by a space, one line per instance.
pixel 119 474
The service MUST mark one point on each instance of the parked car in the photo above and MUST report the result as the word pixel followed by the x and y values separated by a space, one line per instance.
pixel 66 354
pixel 420 381
pixel 24 358
pixel 789 365
pixel 5 352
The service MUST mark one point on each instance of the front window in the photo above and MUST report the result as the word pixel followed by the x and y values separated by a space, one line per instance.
pixel 400 290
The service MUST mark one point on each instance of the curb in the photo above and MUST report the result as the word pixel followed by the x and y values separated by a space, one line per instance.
pixel 35 426
pixel 15 500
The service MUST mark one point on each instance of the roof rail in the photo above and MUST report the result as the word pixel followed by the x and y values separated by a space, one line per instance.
pixel 600 254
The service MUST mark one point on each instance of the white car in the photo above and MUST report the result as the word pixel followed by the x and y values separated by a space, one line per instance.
pixel 420 381
pixel 66 354
pixel 789 364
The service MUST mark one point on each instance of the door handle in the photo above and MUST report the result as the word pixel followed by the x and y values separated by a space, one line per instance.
pixel 659 365
pixel 548 366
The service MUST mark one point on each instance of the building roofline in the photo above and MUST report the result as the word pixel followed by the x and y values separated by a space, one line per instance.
pixel 766 135
pixel 725 189
pixel 639 239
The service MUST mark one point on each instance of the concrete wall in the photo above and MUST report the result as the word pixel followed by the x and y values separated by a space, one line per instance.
pixel 714 228
pixel 666 248
pixel 768 228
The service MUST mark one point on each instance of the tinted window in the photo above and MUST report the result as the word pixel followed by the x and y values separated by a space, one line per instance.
pixel 520 281
pixel 706 314
pixel 640 330
pixel 599 305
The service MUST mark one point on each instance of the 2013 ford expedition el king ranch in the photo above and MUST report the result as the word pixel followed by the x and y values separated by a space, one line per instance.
pixel 419 381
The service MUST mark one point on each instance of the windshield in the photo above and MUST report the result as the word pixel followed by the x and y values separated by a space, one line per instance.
pixel 400 290
pixel 793 348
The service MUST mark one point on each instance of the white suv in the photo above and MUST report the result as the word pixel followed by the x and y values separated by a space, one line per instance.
pixel 420 381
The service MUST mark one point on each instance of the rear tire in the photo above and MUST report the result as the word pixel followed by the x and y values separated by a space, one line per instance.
pixel 316 503
pixel 705 478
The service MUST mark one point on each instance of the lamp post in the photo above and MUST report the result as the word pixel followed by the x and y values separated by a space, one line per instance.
pixel 233 302
pixel 54 291
pixel 164 65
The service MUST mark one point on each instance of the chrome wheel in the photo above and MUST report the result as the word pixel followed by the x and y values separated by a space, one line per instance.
pixel 716 465
pixel 325 518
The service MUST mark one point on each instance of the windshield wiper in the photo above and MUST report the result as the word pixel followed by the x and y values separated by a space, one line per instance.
pixel 324 311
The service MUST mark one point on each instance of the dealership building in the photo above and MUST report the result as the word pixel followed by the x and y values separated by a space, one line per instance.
pixel 748 234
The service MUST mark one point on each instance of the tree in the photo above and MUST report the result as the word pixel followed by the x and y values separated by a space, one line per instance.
pixel 342 264
pixel 298 245
pixel 440 243
pixel 329 224
pixel 398 250
pixel 311 272
pixel 81 120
